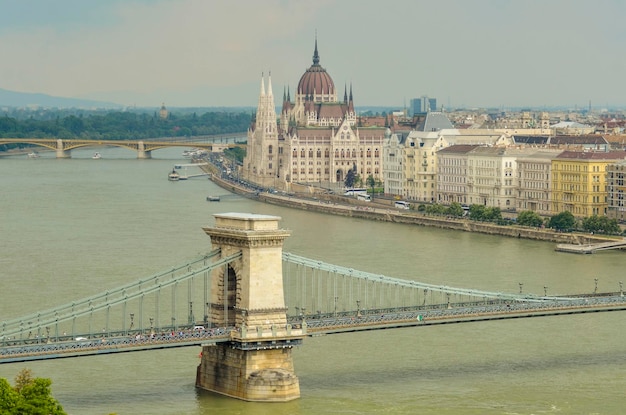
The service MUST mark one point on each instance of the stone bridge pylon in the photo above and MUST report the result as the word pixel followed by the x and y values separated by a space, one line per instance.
pixel 256 364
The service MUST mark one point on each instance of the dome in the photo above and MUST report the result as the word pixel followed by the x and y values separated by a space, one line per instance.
pixel 316 79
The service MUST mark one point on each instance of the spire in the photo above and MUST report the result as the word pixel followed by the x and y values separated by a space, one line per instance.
pixel 350 91
pixel 269 85
pixel 284 94
pixel 288 94
pixel 345 93
pixel 316 56
pixel 262 85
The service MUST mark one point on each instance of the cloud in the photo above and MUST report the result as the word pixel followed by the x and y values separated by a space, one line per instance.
pixel 478 52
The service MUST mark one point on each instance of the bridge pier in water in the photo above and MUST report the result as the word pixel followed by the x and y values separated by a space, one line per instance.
pixel 257 363
pixel 142 153
pixel 61 153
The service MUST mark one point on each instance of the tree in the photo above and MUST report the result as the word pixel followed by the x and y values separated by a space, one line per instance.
pixel 349 182
pixel 564 221
pixel 529 218
pixel 28 396
pixel 371 182
pixel 455 209
pixel 600 224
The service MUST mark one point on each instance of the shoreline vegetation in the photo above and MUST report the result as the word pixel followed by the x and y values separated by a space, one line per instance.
pixel 383 210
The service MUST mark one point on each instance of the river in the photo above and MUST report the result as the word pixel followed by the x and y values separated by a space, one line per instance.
pixel 71 228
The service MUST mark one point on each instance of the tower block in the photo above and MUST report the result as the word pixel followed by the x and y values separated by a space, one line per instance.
pixel 247 294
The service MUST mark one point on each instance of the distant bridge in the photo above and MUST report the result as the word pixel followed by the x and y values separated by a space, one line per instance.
pixel 143 148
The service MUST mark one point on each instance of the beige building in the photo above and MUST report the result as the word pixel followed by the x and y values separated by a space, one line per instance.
pixel 452 173
pixel 616 190
pixel 534 179
pixel 318 139
pixel 393 158
pixel 492 176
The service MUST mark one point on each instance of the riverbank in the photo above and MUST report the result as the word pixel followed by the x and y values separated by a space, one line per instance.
pixel 380 211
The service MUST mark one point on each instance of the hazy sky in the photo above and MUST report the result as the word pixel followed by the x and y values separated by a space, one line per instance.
pixel 497 53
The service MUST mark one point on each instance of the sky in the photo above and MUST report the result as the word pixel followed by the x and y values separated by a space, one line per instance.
pixel 201 53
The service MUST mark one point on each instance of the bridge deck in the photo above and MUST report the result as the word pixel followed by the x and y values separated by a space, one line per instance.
pixel 17 350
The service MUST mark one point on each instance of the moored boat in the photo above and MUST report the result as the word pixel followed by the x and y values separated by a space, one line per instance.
pixel 173 176
pixel 213 198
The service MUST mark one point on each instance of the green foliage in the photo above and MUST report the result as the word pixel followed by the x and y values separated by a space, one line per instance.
pixel 529 218
pixel 236 153
pixel 455 209
pixel 600 224
pixel 116 125
pixel 564 221
pixel 485 214
pixel 435 209
pixel 29 396
pixel 371 182
pixel 350 178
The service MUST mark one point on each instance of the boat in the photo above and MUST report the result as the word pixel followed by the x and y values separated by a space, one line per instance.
pixel 173 176
pixel 33 155
pixel 96 156
pixel 213 198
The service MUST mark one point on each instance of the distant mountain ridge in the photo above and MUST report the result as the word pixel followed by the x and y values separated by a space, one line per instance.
pixel 26 99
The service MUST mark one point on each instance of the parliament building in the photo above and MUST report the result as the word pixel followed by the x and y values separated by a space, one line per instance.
pixel 316 139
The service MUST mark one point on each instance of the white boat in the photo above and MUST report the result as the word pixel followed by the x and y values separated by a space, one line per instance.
pixel 213 198
pixel 33 155
pixel 173 176
pixel 96 156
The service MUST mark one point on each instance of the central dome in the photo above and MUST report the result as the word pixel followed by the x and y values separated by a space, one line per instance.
pixel 316 80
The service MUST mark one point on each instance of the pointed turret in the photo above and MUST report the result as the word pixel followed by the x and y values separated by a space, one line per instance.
pixel 316 56
pixel 262 85
pixel 351 101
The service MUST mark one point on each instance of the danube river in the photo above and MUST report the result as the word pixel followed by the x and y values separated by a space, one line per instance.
pixel 71 228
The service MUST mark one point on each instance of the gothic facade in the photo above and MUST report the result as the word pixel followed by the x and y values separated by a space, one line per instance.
pixel 317 138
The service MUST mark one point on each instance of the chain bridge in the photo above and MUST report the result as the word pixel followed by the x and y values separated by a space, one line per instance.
pixel 247 304
pixel 143 148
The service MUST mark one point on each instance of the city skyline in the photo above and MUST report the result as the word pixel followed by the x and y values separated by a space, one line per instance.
pixel 478 53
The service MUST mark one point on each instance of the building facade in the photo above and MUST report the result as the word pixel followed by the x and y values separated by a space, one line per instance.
pixel 317 139
pixel 616 191
pixel 579 182
pixel 534 180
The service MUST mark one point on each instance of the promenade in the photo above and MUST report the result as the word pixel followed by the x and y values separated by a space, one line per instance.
pixel 379 211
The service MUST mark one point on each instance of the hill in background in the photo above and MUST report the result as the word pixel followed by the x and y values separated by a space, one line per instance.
pixel 24 99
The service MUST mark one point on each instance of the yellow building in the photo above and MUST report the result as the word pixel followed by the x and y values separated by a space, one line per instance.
pixel 579 182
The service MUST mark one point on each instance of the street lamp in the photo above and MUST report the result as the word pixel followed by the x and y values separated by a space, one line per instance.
pixel 521 285
pixel 595 289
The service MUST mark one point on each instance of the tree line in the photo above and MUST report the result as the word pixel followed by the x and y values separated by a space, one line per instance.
pixel 564 221
pixel 124 125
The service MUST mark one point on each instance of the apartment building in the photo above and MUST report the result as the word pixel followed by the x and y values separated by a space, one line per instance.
pixel 579 182
pixel 616 190
pixel 534 181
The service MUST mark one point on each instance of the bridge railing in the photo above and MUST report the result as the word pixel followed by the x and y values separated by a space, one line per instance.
pixel 330 289
pixel 113 307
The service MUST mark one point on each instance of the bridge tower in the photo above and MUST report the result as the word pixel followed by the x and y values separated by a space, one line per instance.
pixel 256 364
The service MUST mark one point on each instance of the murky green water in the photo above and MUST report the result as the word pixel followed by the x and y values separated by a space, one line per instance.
pixel 70 228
